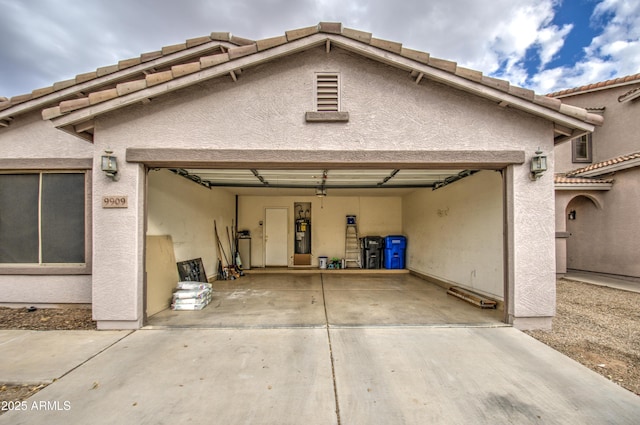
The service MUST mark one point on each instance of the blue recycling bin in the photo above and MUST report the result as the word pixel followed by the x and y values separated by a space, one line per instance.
pixel 394 251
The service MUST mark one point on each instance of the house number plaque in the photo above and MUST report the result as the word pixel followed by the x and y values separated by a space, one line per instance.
pixel 119 201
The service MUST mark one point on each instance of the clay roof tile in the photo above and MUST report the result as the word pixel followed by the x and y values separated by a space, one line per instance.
pixel 245 47
pixel 598 85
pixel 301 32
pixel 606 163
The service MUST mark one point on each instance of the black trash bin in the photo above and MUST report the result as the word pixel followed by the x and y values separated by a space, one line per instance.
pixel 372 252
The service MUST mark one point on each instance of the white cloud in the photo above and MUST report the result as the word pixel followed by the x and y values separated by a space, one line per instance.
pixel 545 81
pixel 491 37
pixel 615 52
pixel 551 40
pixel 53 40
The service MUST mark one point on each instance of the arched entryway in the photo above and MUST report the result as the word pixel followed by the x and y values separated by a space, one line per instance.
pixel 583 213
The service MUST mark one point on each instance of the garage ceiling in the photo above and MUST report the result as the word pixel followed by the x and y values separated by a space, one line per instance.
pixel 322 181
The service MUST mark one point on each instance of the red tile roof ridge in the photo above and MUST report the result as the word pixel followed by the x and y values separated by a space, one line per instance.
pixel 598 85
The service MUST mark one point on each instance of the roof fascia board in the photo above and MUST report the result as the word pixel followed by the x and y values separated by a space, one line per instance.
pixel 304 159
pixel 110 78
pixel 583 186
pixel 312 41
pixel 188 80
pixel 610 168
pixel 458 82
pixel 597 89
pixel 566 137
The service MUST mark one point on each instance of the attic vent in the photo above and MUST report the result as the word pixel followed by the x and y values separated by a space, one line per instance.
pixel 327 99
pixel 327 92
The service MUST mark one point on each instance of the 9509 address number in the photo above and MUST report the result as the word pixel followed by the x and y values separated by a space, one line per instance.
pixel 120 201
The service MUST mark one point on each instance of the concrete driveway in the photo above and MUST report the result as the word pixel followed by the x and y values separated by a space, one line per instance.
pixel 320 374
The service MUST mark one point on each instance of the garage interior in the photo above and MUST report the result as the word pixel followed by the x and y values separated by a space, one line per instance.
pixel 452 219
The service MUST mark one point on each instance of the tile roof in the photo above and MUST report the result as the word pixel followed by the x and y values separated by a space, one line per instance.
pixel 203 54
pixel 564 179
pixel 564 182
pixel 605 166
pixel 629 79
pixel 108 76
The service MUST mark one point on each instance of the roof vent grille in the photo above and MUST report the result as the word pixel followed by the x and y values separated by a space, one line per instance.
pixel 327 92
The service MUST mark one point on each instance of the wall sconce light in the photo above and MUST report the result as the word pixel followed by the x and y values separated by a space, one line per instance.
pixel 538 165
pixel 571 215
pixel 110 164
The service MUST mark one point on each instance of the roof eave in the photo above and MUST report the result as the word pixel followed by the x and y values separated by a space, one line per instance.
pixel 583 186
pixel 80 88
pixel 596 87
pixel 503 98
pixel 607 169
pixel 500 97
pixel 224 68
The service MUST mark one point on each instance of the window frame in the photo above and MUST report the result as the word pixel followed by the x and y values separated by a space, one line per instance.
pixel 589 148
pixel 81 166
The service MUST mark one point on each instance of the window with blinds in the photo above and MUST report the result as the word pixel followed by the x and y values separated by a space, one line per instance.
pixel 42 218
pixel 327 92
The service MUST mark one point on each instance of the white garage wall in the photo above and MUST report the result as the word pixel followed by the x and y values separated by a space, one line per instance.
pixel 186 211
pixel 376 216
pixel 456 232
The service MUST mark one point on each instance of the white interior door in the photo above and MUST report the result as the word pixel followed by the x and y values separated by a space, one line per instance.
pixel 275 236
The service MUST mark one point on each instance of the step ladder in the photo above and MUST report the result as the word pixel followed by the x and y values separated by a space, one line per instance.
pixel 352 243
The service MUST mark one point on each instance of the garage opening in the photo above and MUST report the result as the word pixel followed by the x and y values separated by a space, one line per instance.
pixel 295 225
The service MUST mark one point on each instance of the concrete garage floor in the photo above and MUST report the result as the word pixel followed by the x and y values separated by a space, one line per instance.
pixel 284 300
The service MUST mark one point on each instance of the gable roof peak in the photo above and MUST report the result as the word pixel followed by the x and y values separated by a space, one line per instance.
pixel 222 53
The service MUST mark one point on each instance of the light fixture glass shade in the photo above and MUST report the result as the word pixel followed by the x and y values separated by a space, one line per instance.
pixel 538 164
pixel 109 164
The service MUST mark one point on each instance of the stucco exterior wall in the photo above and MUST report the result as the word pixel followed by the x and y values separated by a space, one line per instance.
pixel 375 215
pixel 564 163
pixel 29 137
pixel 531 238
pixel 618 135
pixel 118 251
pixel 600 239
pixel 265 109
pixel 45 289
pixel 457 233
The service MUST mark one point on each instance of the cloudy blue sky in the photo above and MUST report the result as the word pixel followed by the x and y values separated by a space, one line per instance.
pixel 545 45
